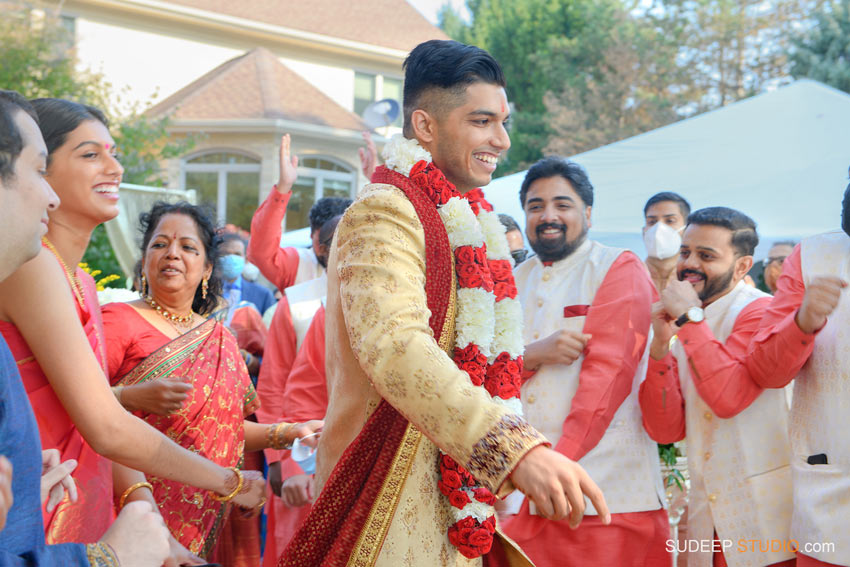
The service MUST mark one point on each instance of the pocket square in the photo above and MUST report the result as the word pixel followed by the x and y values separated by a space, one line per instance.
pixel 576 310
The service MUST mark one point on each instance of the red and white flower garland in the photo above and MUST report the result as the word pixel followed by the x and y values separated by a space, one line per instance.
pixel 488 330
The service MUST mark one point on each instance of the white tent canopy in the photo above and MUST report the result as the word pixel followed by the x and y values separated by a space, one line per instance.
pixel 781 157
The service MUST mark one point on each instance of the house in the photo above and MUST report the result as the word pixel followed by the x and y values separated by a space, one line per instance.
pixel 240 74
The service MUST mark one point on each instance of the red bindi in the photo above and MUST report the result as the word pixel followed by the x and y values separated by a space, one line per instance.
pixel 503 106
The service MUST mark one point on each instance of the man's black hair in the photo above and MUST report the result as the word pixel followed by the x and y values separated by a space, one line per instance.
pixel 554 166
pixel 11 142
pixel 684 206
pixel 508 222
pixel 743 228
pixel 845 211
pixel 449 66
pixel 325 209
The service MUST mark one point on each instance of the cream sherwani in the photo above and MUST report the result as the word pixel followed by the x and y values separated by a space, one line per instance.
pixel 380 345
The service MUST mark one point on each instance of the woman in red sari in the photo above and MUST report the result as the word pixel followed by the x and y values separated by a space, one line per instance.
pixel 165 342
pixel 50 318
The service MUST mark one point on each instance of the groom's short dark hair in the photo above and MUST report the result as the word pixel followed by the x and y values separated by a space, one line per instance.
pixel 447 67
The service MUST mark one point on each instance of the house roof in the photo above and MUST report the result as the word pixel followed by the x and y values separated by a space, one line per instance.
pixel 387 23
pixel 255 85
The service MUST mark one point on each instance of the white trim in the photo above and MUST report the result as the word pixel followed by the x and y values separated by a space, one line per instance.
pixel 277 126
pixel 274 32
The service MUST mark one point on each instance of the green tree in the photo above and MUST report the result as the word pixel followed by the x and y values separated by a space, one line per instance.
pixel 823 52
pixel 37 59
pixel 522 35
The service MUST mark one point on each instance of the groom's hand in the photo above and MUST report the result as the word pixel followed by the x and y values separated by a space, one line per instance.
pixel 557 486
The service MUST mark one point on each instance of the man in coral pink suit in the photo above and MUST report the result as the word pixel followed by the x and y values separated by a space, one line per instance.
pixel 587 319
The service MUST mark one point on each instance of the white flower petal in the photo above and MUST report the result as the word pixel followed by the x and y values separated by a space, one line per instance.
pixel 508 329
pixel 401 154
pixel 494 236
pixel 475 319
pixel 513 404
pixel 461 225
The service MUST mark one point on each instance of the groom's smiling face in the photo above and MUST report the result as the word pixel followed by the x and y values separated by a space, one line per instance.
pixel 467 140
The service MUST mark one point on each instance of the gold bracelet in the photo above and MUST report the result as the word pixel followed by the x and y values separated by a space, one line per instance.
pixel 274 435
pixel 239 484
pixel 129 491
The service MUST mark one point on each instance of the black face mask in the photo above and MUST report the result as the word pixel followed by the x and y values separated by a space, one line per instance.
pixel 519 256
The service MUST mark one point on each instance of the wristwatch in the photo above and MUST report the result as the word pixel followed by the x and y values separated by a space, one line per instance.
pixel 692 315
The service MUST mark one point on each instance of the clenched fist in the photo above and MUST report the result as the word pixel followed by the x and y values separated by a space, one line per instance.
pixel 822 296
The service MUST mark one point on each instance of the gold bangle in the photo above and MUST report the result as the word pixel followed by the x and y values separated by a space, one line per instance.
pixel 278 440
pixel 240 482
pixel 101 555
pixel 129 491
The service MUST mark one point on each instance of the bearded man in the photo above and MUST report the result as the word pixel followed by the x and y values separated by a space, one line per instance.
pixel 705 389
pixel 587 317
pixel 424 354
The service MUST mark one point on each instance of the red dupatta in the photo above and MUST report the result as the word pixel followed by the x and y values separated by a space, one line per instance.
pixel 210 423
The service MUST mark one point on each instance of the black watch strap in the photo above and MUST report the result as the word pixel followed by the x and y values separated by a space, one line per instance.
pixel 683 318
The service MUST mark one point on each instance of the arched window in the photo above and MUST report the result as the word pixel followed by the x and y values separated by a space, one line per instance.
pixel 228 181
pixel 318 176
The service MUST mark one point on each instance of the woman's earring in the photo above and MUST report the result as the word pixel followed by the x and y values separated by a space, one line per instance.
pixel 144 286
pixel 204 287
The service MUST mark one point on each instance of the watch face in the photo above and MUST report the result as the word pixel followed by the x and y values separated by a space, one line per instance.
pixel 696 314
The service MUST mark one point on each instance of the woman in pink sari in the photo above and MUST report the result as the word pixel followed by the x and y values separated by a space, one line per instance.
pixel 50 318
pixel 183 373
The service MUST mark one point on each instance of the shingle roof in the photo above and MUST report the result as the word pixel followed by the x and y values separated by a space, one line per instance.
pixel 386 23
pixel 255 85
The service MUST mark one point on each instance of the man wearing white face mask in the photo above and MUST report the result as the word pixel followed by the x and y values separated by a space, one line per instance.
pixel 664 214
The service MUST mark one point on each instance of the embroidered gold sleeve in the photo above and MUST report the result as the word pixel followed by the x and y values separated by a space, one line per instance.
pixel 381 267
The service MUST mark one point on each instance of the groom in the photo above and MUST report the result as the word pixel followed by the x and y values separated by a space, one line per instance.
pixel 424 354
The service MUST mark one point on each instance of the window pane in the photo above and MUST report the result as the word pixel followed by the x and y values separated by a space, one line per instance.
pixel 222 157
pixel 336 188
pixel 243 196
pixel 206 184
pixel 364 91
pixel 298 209
pixel 393 90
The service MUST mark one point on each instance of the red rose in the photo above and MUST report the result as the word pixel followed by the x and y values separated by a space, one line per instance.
pixel 452 478
pixel 459 499
pixel 481 255
pixel 507 391
pixel 484 495
pixel 503 357
pixel 512 367
pixel 467 523
pixel 465 255
pixel 481 538
pixel 448 463
pixel 445 489
pixel 417 167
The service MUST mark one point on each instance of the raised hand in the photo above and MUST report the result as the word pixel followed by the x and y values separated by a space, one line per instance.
pixel 160 397
pixel 663 330
pixel 822 296
pixel 56 479
pixel 678 297
pixel 368 156
pixel 288 166
pixel 557 486
pixel 138 536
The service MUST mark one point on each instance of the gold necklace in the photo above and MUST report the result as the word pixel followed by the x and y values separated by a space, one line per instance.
pixel 176 319
pixel 76 286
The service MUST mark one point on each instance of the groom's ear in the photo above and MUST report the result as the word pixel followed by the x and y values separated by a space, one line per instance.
pixel 423 125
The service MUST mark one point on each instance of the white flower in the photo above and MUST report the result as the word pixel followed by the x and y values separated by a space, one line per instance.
pixel 116 295
pixel 475 509
pixel 508 330
pixel 494 236
pixel 461 225
pixel 401 154
pixel 475 319
pixel 513 404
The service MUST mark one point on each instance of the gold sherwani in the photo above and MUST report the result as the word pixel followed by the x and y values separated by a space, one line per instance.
pixel 379 345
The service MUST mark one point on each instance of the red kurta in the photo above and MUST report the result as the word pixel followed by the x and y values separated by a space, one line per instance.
pixel 305 398
pixel 636 538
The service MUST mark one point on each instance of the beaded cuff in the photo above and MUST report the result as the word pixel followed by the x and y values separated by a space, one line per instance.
pixel 101 555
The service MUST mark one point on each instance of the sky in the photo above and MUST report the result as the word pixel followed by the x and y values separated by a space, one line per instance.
pixel 429 8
